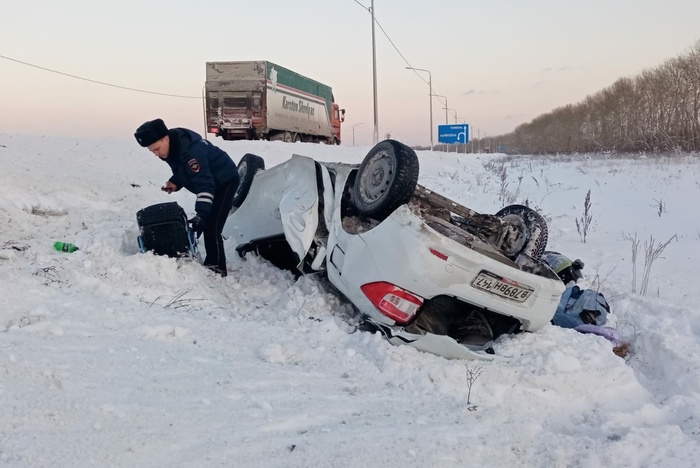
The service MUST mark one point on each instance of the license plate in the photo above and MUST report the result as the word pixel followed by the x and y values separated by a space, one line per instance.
pixel 502 287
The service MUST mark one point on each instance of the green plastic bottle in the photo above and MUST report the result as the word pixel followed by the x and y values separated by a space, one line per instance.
pixel 65 247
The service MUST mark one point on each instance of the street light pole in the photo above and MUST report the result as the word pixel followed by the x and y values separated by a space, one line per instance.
pixel 466 136
pixel 454 112
pixel 204 110
pixel 353 132
pixel 440 95
pixel 472 142
pixel 446 109
pixel 430 94
pixel 374 78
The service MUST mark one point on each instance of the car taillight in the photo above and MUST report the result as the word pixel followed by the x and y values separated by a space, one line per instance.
pixel 392 301
pixel 214 130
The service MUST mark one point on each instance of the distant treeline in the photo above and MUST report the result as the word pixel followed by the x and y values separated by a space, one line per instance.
pixel 658 110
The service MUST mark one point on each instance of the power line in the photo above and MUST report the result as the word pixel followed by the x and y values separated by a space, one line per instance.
pixel 396 48
pixel 98 82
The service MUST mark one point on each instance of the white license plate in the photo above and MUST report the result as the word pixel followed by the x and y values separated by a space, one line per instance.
pixel 503 287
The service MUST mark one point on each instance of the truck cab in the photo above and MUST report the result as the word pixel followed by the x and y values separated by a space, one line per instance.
pixel 337 118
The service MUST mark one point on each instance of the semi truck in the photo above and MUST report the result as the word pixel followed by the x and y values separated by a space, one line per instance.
pixel 260 100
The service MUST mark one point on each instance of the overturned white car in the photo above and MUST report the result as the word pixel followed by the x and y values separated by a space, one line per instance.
pixel 422 269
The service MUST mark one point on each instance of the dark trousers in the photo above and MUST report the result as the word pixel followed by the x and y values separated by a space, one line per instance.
pixel 213 242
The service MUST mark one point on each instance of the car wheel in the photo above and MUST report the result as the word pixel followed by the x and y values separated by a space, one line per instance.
pixel 525 231
pixel 249 165
pixel 386 179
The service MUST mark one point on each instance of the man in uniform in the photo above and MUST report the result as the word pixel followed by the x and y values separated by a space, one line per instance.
pixel 203 169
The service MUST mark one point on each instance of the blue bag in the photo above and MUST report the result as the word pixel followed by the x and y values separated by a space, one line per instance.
pixel 581 306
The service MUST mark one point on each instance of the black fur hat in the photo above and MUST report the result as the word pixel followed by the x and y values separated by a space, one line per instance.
pixel 150 132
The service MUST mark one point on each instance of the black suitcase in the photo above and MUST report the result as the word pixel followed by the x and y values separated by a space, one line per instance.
pixel 164 230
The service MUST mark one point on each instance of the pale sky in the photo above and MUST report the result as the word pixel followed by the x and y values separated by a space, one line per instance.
pixel 500 63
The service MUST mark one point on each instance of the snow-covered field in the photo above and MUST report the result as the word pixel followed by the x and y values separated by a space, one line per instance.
pixel 113 358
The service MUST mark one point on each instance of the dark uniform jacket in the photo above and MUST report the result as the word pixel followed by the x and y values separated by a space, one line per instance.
pixel 198 166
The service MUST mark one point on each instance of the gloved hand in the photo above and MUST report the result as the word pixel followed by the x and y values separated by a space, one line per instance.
pixel 169 187
pixel 197 225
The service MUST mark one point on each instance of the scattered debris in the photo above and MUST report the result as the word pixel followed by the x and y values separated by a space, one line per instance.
pixel 46 212
pixel 15 246
pixel 50 274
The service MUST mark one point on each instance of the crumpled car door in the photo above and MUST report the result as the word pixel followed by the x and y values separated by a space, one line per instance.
pixel 299 216
pixel 299 204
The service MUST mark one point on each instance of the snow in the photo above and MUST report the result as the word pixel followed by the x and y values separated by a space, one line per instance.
pixel 110 357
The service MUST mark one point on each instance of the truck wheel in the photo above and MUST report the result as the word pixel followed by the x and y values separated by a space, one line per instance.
pixel 297 138
pixel 249 165
pixel 525 231
pixel 287 137
pixel 385 180
pixel 336 141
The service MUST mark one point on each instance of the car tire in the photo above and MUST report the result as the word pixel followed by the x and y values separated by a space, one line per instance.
pixel 526 231
pixel 386 179
pixel 249 165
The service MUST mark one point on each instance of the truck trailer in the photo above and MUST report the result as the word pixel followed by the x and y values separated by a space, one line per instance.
pixel 260 100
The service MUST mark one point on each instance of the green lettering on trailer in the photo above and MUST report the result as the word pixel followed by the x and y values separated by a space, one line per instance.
pixel 286 77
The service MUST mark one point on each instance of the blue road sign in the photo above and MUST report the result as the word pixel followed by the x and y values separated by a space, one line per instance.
pixel 453 133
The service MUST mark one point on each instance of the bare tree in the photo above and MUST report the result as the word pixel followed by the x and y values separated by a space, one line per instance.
pixel 657 110
pixel 635 250
pixel 652 252
pixel 584 224
pixel 473 373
